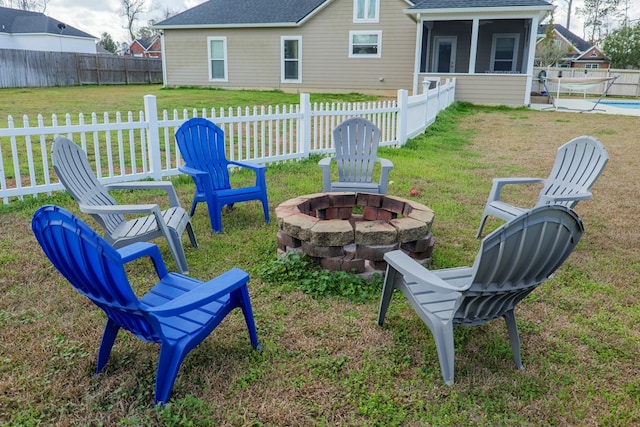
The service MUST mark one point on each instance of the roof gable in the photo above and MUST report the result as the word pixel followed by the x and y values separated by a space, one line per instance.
pixel 17 21
pixel 577 42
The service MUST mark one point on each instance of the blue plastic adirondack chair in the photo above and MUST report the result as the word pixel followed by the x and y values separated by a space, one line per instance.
pixel 202 146
pixel 178 312
pixel 356 143
pixel 511 263
pixel 577 166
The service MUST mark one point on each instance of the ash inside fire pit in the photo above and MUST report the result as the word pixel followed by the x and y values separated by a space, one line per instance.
pixel 352 231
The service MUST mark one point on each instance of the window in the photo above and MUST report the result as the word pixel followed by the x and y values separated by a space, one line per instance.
pixel 366 10
pixel 504 52
pixel 365 44
pixel 217 59
pixel 591 66
pixel 291 60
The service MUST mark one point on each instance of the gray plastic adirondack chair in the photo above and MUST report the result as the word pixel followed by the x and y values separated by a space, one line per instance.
pixel 511 263
pixel 356 144
pixel 578 164
pixel 74 171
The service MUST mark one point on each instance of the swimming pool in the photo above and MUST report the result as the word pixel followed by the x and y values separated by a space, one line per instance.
pixel 622 104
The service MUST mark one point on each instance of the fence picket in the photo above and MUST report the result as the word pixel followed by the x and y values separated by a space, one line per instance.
pixel 146 147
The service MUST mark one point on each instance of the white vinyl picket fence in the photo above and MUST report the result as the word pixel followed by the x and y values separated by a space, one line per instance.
pixel 127 147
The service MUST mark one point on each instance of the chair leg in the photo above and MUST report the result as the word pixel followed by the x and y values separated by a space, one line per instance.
pixel 171 357
pixel 265 209
pixel 193 206
pixel 514 337
pixel 177 250
pixel 192 235
pixel 443 334
pixel 242 294
pixel 108 338
pixel 387 292
pixel 484 219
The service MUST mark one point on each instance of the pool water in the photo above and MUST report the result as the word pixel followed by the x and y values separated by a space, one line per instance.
pixel 630 104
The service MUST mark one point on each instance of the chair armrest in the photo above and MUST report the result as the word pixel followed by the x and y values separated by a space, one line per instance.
pixel 498 183
pixel 413 272
pixel 138 250
pixel 253 166
pixel 192 171
pixel 149 185
pixel 325 165
pixel 207 292
pixel 386 166
pixel 122 209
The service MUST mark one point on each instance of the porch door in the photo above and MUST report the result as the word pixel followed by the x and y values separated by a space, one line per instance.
pixel 444 55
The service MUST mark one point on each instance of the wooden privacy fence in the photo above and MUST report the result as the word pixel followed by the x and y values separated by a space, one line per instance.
pixel 138 146
pixel 27 68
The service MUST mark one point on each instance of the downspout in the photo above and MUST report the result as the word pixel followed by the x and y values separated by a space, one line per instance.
pixel 417 56
pixel 164 61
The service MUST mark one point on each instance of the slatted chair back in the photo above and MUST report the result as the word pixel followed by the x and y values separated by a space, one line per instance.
pixel 202 145
pixel 356 143
pixel 577 166
pixel 515 259
pixel 93 267
pixel 72 166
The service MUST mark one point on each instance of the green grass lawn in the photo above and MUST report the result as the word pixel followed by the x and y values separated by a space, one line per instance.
pixel 324 359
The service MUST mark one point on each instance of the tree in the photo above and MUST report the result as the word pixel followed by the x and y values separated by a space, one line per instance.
pixel 107 42
pixel 548 52
pixel 132 9
pixel 622 47
pixel 597 15
pixel 32 5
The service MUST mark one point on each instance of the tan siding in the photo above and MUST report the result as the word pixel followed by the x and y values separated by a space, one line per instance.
pixel 254 54
pixel 494 89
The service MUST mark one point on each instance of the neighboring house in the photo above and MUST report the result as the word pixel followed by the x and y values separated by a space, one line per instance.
pixel 580 53
pixel 147 47
pixel 369 46
pixel 25 30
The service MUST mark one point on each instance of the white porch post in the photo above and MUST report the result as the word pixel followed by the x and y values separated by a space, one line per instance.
pixel 418 55
pixel 533 36
pixel 473 51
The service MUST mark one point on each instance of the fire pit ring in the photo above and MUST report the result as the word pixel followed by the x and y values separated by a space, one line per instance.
pixel 330 228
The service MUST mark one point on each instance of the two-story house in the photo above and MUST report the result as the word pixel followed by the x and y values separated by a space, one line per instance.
pixel 369 46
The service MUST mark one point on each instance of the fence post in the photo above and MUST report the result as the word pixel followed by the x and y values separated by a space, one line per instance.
pixel 153 135
pixel 304 130
pixel 401 128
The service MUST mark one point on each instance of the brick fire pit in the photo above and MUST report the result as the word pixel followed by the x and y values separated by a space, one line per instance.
pixel 328 227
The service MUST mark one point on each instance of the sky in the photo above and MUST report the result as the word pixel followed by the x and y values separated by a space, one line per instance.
pixel 98 16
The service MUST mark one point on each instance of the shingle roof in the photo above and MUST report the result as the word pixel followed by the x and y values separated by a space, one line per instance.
pixel 457 4
pixel 247 12
pixel 578 42
pixel 238 12
pixel 17 21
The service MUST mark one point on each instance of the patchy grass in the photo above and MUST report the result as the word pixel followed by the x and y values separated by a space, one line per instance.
pixel 325 361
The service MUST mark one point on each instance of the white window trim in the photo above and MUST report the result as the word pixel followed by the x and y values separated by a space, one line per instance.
pixel 224 47
pixel 365 32
pixel 357 20
pixel 282 59
pixel 515 36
